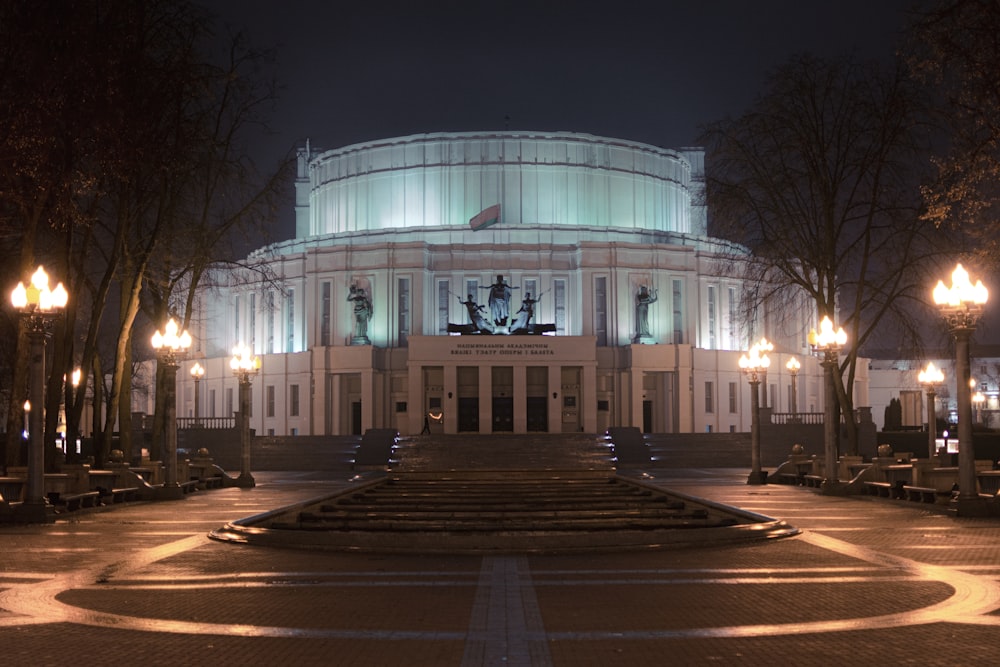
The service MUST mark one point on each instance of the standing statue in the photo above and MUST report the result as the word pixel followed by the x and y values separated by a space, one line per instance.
pixel 362 313
pixel 476 310
pixel 642 301
pixel 524 315
pixel 499 300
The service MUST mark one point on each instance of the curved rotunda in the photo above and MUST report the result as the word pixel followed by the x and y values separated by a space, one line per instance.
pixel 489 282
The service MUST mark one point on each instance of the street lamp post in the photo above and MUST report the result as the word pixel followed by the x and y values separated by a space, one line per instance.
pixel 170 346
pixel 793 367
pixel 39 307
pixel 931 377
pixel 754 363
pixel 765 346
pixel 244 366
pixel 197 372
pixel 829 342
pixel 978 399
pixel 962 305
pixel 69 435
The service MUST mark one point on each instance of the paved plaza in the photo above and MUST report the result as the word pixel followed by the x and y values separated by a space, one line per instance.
pixel 868 581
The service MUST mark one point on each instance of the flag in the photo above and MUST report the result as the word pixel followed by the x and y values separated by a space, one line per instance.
pixel 485 218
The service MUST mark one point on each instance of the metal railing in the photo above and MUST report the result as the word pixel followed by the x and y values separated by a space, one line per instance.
pixel 784 418
pixel 206 422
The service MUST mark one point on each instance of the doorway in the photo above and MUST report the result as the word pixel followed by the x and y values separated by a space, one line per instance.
pixel 538 414
pixel 503 414
pixel 468 414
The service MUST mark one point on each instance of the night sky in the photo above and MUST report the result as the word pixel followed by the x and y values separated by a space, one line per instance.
pixel 652 72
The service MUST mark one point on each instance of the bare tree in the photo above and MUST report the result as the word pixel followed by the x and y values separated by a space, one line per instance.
pixel 818 182
pixel 122 161
pixel 956 52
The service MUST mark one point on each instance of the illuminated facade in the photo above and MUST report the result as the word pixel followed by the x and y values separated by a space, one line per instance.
pixel 356 319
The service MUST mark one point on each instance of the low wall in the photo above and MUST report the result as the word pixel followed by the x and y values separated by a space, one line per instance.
pixel 271 452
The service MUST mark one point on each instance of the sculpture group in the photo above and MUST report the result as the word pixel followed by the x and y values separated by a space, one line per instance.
pixel 499 320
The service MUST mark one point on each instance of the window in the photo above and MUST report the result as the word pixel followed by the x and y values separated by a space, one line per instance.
pixel 442 307
pixel 293 400
pixel 324 315
pixel 471 291
pixel 601 310
pixel 211 402
pixel 229 401
pixel 559 303
pixel 711 317
pixel 678 303
pixel 400 406
pixel 295 431
pixel 733 319
pixel 269 392
pixel 709 402
pixel 236 319
pixel 403 322
pixel 252 325
pixel 269 322
pixel 732 397
pixel 290 321
pixel 603 405
pixel 530 287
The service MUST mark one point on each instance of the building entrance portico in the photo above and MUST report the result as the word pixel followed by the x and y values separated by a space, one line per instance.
pixel 510 384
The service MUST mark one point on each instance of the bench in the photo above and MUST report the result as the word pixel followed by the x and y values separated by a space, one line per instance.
pixel 920 494
pixel 122 495
pixel 213 482
pixel 792 478
pixel 12 489
pixel 815 481
pixel 880 489
pixel 71 502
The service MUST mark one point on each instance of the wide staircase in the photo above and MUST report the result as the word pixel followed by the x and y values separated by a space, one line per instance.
pixel 504 455
pixel 500 493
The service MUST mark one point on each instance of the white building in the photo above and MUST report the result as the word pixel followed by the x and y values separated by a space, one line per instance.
pixel 899 379
pixel 586 224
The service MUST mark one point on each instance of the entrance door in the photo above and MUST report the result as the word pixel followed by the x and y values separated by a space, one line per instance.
pixel 468 414
pixel 647 416
pixel 538 414
pixel 356 418
pixel 503 413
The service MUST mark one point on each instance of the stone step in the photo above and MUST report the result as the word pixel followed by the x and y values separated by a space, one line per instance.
pixel 535 508
pixel 482 525
pixel 486 451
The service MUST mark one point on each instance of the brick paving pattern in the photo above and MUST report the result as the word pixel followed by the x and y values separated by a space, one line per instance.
pixel 868 581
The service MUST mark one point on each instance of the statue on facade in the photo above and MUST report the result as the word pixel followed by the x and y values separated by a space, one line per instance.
pixel 476 310
pixel 499 300
pixel 643 299
pixel 362 313
pixel 523 317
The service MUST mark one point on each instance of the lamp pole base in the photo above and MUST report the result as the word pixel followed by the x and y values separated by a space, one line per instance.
pixel 33 512
pixel 168 492
pixel 974 506
pixel 245 481
pixel 834 488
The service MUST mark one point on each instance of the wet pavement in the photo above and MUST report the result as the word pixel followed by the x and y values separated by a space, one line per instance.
pixel 868 581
